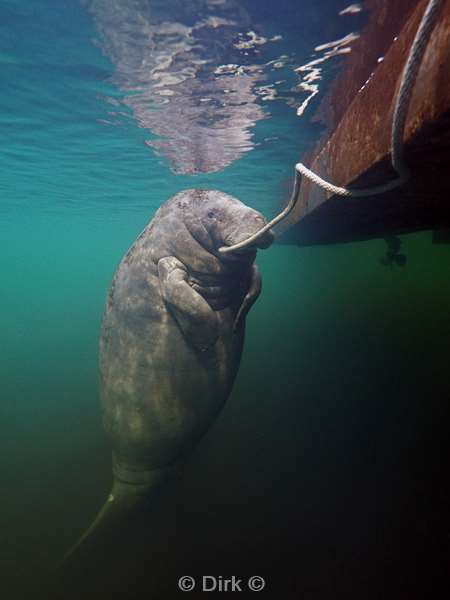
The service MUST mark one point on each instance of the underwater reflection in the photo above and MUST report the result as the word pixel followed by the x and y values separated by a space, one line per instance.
pixel 190 80
pixel 198 74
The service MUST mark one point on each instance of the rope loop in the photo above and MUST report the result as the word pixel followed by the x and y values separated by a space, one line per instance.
pixel 402 103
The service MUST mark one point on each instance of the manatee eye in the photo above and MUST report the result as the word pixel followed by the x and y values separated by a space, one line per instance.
pixel 211 214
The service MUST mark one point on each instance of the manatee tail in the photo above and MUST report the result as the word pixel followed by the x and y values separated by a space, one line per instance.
pixel 130 491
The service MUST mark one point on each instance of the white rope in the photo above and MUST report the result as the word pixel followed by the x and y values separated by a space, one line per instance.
pixel 248 241
pixel 342 191
pixel 408 80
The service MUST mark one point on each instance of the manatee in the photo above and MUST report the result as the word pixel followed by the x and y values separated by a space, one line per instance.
pixel 172 335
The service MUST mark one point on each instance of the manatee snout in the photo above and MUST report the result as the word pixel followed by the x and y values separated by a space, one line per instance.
pixel 265 240
pixel 249 226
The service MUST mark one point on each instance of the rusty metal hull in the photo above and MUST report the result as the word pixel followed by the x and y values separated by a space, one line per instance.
pixel 356 153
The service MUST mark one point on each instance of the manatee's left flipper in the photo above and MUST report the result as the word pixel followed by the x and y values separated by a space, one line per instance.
pixel 253 292
pixel 195 317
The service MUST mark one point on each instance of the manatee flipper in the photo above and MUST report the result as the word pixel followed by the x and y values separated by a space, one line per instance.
pixel 253 291
pixel 195 317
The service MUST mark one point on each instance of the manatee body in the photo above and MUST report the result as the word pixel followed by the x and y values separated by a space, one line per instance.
pixel 173 329
pixel 172 336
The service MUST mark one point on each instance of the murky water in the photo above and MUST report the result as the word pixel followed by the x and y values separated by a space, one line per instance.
pixel 327 471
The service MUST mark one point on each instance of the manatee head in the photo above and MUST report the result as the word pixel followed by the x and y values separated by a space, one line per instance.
pixel 228 221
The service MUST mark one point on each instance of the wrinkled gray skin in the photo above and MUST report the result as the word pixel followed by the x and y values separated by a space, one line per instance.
pixel 172 334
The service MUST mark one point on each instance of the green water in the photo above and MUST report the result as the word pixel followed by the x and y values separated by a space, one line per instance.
pixel 335 434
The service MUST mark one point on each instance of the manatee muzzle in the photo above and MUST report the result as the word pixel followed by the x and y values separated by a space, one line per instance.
pixel 259 238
